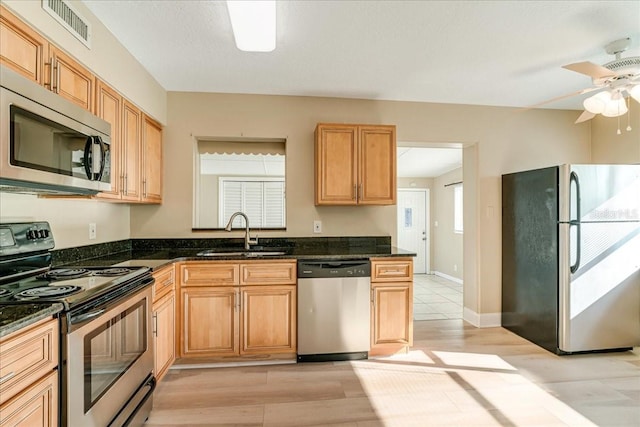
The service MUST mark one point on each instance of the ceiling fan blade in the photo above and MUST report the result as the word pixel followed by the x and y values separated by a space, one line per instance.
pixel 586 115
pixel 569 95
pixel 592 70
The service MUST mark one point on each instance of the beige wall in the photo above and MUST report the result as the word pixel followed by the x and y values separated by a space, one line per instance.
pixel 447 244
pixel 608 146
pixel 69 219
pixel 496 141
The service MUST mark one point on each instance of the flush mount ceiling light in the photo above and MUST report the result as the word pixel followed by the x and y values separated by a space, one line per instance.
pixel 254 24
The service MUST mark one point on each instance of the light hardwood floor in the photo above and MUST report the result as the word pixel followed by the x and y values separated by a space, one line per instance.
pixel 455 375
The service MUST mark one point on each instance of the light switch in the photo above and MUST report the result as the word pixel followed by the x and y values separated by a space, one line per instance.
pixel 317 226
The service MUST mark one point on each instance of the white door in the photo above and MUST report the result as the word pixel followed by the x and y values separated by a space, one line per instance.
pixel 413 222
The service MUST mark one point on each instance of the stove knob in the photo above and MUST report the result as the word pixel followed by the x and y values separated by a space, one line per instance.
pixel 45 233
pixel 31 235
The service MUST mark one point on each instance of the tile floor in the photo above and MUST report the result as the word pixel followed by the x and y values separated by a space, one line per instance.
pixel 436 298
pixel 454 375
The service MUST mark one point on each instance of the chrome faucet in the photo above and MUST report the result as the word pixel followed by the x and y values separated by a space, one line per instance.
pixel 247 238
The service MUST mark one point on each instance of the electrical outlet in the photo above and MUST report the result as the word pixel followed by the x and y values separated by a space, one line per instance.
pixel 455 267
pixel 317 226
pixel 92 230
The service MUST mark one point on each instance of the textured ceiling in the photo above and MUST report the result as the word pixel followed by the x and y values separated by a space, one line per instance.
pixel 501 53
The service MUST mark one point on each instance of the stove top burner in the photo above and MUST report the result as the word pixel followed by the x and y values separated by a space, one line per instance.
pixel 49 291
pixel 65 273
pixel 4 292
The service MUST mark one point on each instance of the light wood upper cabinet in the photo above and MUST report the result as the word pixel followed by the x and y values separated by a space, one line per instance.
pixel 69 79
pixel 131 150
pixel 392 305
pixel 151 160
pixel 109 108
pixel 21 48
pixel 355 164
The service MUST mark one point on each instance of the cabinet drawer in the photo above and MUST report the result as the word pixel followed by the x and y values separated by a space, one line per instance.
pixel 209 274
pixel 165 282
pixel 36 406
pixel 268 272
pixel 398 270
pixel 26 357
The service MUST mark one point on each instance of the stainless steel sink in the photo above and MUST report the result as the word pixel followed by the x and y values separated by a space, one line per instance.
pixel 248 254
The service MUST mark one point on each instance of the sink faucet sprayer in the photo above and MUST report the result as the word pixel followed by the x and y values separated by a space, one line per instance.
pixel 247 238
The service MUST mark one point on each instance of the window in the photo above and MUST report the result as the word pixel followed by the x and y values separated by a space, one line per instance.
pixel 457 209
pixel 254 169
pixel 261 199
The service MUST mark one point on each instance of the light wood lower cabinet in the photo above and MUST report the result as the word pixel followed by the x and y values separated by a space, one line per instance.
pixel 164 320
pixel 28 369
pixel 37 406
pixel 392 305
pixel 238 308
pixel 268 319
pixel 164 345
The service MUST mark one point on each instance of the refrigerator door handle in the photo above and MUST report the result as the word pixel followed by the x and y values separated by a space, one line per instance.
pixel 576 223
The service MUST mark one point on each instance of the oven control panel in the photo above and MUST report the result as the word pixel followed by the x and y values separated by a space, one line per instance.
pixel 25 237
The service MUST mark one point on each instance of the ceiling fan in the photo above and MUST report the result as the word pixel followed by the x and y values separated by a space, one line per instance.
pixel 615 82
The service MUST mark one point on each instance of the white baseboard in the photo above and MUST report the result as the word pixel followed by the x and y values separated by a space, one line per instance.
pixel 446 276
pixel 485 320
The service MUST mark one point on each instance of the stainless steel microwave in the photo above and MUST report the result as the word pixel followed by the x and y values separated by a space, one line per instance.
pixel 47 143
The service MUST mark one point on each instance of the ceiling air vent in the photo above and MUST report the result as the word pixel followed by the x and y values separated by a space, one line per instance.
pixel 66 15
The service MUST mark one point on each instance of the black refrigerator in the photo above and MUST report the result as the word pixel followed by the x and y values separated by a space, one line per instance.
pixel 571 257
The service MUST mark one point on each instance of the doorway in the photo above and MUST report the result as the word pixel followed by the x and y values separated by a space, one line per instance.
pixel 413 226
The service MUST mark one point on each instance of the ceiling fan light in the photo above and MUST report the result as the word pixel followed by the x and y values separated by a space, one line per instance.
pixel 253 24
pixel 597 103
pixel 635 92
pixel 615 108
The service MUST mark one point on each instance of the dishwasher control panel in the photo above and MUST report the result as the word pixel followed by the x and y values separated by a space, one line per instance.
pixel 334 268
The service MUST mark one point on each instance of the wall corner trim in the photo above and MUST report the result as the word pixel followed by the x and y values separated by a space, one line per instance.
pixel 485 320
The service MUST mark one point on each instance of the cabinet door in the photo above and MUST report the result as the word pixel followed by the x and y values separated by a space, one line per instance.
pixel 377 165
pixel 336 164
pixel 210 321
pixel 164 334
pixel 109 108
pixel 36 406
pixel 131 140
pixel 152 161
pixel 70 79
pixel 268 319
pixel 392 320
pixel 21 48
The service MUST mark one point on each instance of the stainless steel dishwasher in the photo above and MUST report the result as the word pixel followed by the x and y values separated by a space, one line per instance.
pixel 334 310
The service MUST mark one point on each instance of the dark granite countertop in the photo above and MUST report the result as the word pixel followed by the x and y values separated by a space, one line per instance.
pixel 156 253
pixel 18 316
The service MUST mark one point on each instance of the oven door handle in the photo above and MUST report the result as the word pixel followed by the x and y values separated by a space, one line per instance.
pixel 81 318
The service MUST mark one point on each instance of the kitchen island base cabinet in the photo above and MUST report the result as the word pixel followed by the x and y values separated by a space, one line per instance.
pixel 237 310
pixel 392 306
